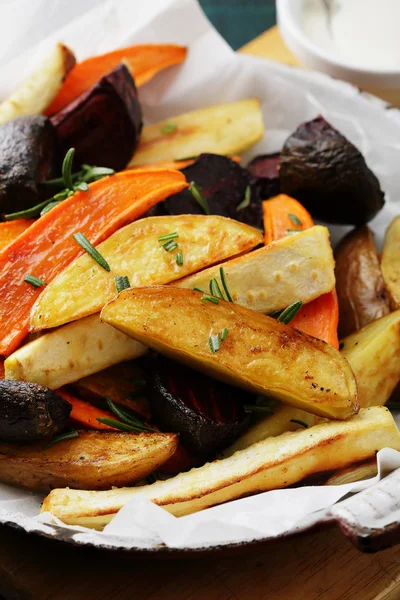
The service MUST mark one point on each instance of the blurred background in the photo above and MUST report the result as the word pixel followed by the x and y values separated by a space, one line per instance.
pixel 239 21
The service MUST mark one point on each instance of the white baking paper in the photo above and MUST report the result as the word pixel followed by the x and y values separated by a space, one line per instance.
pixel 212 74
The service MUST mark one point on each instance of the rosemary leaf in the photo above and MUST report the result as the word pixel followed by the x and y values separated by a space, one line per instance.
pixel 215 290
pixel 295 219
pixel 34 281
pixel 66 169
pixel 225 284
pixel 122 283
pixel 170 245
pixel 246 201
pixel 168 236
pixel 215 342
pixel 290 312
pixel 91 250
pixel 198 195
pixel 66 435
pixel 126 416
pixel 117 424
pixel 169 128
pixel 250 408
pixel 49 206
pixel 224 333
pixel 275 313
pixel 179 258
pixel 212 299
pixel 299 422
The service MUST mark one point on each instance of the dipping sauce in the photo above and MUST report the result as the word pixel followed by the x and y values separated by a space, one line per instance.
pixel 363 33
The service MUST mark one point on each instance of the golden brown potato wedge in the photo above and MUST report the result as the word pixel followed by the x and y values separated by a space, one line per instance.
pixel 122 383
pixel 390 264
pixel 85 287
pixel 93 461
pixel 70 353
pixel 259 353
pixel 359 283
pixel 224 129
pixel 358 472
pixel 271 464
pixel 374 356
pixel 298 267
pixel 37 92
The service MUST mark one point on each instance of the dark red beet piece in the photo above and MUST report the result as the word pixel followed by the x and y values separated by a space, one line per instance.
pixel 206 413
pixel 103 124
pixel 265 172
pixel 328 175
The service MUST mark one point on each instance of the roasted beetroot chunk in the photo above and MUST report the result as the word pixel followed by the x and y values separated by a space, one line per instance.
pixel 325 172
pixel 207 414
pixel 103 124
pixel 28 155
pixel 223 183
pixel 265 172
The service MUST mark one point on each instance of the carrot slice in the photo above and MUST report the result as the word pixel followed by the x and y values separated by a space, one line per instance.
pixel 144 61
pixel 47 247
pixel 84 414
pixel 320 317
pixel 9 231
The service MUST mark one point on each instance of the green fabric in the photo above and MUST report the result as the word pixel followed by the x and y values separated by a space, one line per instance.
pixel 239 21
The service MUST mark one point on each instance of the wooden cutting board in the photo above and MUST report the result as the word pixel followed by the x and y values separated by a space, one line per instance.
pixel 319 566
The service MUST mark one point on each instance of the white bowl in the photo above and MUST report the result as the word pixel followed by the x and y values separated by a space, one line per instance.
pixel 310 55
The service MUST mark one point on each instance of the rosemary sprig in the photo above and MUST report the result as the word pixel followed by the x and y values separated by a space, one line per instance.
pixel 225 284
pixel 117 424
pixel 214 342
pixel 299 422
pixel 295 219
pixel 122 283
pixel 290 312
pixel 34 281
pixel 91 250
pixel 127 417
pixel 215 290
pixel 66 435
pixel 246 201
pixel 198 195
pixel 169 128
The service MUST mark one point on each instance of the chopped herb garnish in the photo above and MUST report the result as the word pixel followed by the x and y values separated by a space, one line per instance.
pixel 246 201
pixel 34 281
pixel 122 283
pixel 170 246
pixel 198 195
pixel 91 250
pixel 66 169
pixel 250 408
pixel 215 290
pixel 215 342
pixel 211 299
pixel 302 423
pixel 169 128
pixel 186 158
pixel 275 313
pixel 225 284
pixel 168 236
pixel 290 312
pixel 49 206
pixel 196 289
pixel 118 424
pixel 295 219
pixel 66 435
pixel 179 258
pixel 224 333
pixel 127 416
pixel 292 231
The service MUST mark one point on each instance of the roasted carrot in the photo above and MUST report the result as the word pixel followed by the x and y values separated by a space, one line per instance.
pixel 84 415
pixel 319 318
pixel 9 231
pixel 144 61
pixel 47 247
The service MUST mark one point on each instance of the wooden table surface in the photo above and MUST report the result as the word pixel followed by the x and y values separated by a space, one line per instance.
pixel 318 566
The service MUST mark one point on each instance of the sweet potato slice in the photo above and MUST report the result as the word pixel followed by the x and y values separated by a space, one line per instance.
pixel 297 267
pixel 224 129
pixel 259 354
pixel 271 464
pixel 36 93
pixel 84 287
pixel 390 264
pixel 94 461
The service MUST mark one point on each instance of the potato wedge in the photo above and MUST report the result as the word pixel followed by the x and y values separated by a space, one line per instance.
pixel 37 92
pixel 259 353
pixel 359 283
pixel 271 464
pixel 94 461
pixel 390 264
pixel 358 472
pixel 224 129
pixel 297 267
pixel 84 287
pixel 70 353
pixel 374 356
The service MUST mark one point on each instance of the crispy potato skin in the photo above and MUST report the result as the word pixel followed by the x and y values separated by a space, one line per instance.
pixel 94 461
pixel 390 264
pixel 259 354
pixel 359 283
pixel 374 356
pixel 270 464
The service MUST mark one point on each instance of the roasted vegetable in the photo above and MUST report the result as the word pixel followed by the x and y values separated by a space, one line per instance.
pixel 299 267
pixel 36 93
pixel 137 252
pixel 259 354
pixel 374 356
pixel 94 460
pixel 10 230
pixel 143 61
pixel 207 414
pixel 390 264
pixel 30 412
pixel 48 246
pixel 224 129
pixel 28 155
pixel 265 175
pixel 358 472
pixel 271 464
pixel 70 353
pixel 104 123
pixel 329 175
pixel 359 283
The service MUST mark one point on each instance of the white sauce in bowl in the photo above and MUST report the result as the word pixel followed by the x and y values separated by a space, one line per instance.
pixel 364 33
